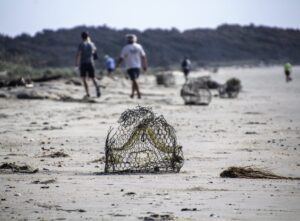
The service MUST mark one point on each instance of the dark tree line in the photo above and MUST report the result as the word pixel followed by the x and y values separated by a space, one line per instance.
pixel 225 44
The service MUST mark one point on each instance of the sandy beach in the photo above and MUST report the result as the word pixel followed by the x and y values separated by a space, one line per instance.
pixel 260 128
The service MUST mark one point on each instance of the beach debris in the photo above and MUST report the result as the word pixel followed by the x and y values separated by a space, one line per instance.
pixel 129 194
pixel 198 188
pixel 118 214
pixel 99 160
pixel 59 208
pixel 3 115
pixel 188 209
pixel 67 98
pixel 50 181
pixel 47 77
pixel 16 82
pixel 165 78
pixel 28 82
pixel 211 84
pixel 157 217
pixel 143 142
pixel 74 81
pixel 252 173
pixel 52 128
pixel 56 154
pixel 250 132
pixel 196 92
pixel 71 210
pixel 32 94
pixel 253 113
pixel 13 167
pixel 230 89
pixel 3 95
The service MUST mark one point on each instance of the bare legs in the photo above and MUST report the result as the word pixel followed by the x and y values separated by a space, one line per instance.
pixel 288 78
pixel 186 73
pixel 86 87
pixel 135 87
pixel 186 77
pixel 97 87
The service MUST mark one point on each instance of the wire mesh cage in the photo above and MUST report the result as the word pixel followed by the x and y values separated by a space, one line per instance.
pixel 230 89
pixel 196 92
pixel 143 142
pixel 165 78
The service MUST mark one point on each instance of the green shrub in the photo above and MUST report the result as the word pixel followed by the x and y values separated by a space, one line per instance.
pixel 13 71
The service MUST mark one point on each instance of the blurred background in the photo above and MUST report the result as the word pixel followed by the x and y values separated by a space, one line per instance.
pixel 46 33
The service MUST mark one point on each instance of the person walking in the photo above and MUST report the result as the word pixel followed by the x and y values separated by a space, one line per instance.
pixel 85 62
pixel 109 64
pixel 287 71
pixel 186 67
pixel 134 58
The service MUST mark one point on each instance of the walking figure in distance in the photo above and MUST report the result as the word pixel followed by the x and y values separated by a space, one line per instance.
pixel 134 58
pixel 186 67
pixel 109 64
pixel 85 62
pixel 287 71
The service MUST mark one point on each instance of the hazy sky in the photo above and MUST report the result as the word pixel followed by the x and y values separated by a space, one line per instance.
pixel 31 16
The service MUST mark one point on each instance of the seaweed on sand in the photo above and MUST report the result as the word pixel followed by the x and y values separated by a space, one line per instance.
pixel 252 173
pixel 56 154
pixel 17 169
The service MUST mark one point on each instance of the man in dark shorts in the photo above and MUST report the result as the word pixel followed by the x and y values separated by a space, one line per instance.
pixel 85 61
pixel 135 57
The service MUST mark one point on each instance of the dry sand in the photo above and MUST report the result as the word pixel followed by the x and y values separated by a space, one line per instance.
pixel 260 128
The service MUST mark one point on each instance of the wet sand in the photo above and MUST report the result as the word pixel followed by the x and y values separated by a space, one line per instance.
pixel 260 128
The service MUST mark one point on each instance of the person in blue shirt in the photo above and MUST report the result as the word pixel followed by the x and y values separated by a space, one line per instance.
pixel 109 64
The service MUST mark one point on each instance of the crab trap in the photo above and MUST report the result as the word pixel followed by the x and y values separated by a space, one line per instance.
pixel 196 92
pixel 143 142
pixel 230 89
pixel 165 78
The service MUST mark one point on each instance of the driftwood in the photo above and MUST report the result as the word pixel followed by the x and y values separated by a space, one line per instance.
pixel 16 82
pixel 27 82
pixel 47 78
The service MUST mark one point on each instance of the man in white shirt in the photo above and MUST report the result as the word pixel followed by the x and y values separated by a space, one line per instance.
pixel 134 58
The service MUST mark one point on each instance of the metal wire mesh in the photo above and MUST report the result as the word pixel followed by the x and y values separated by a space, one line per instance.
pixel 195 92
pixel 230 89
pixel 165 78
pixel 143 142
